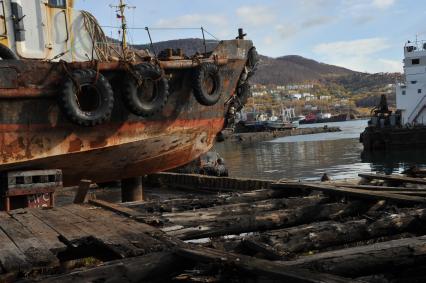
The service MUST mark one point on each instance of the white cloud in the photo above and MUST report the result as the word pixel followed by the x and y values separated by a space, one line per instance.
pixel 217 24
pixel 287 30
pixel 391 66
pixel 361 55
pixel 256 15
pixel 193 20
pixel 268 40
pixel 362 10
pixel 359 47
pixel 383 4
pixel 368 4
pixel 319 21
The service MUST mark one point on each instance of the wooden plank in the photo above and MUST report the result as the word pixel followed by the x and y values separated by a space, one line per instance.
pixel 117 208
pixel 358 193
pixel 121 223
pixel 38 228
pixel 106 230
pixel 125 211
pixel 270 269
pixel 394 178
pixel 36 253
pixel 68 232
pixel 132 228
pixel 12 259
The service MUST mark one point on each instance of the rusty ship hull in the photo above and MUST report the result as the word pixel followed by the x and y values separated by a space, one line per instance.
pixel 34 134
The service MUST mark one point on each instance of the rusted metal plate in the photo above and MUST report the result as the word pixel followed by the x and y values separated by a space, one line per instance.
pixel 40 200
pixel 8 78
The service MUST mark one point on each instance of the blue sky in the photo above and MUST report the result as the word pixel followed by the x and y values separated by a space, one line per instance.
pixel 363 35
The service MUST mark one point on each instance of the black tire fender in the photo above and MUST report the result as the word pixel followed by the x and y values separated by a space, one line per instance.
pixel 207 84
pixel 133 94
pixel 7 54
pixel 96 89
pixel 252 58
pixel 244 92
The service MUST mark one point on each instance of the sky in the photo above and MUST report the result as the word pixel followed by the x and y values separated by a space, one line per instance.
pixel 362 35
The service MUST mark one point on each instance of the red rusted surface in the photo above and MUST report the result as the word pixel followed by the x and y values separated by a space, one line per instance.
pixel 40 200
pixel 34 134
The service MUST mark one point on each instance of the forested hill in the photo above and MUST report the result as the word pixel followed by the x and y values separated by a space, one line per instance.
pixel 290 69
pixel 295 69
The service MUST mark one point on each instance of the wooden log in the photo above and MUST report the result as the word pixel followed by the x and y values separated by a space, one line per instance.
pixel 321 235
pixel 260 248
pixel 209 214
pixel 364 260
pixel 271 269
pixel 262 221
pixel 158 266
pixel 314 236
pixel 376 188
pixel 394 178
pixel 348 192
pixel 171 205
pixel 176 205
pixel 407 193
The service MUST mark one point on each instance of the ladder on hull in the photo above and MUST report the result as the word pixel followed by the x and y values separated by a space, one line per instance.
pixel 418 110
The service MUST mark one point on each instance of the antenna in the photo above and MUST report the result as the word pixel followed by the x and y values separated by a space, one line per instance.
pixel 120 9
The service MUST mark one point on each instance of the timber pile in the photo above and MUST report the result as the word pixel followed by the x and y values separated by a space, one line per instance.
pixel 286 232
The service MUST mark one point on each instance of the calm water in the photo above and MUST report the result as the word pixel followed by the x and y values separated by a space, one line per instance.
pixel 308 157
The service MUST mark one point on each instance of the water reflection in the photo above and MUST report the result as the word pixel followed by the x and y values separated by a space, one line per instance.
pixel 394 161
pixel 308 157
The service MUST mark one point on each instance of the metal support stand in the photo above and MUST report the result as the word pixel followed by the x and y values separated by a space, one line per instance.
pixel 131 189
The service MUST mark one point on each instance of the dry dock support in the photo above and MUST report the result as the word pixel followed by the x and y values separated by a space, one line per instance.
pixel 131 189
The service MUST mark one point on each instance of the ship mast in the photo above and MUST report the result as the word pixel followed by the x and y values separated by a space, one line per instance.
pixel 123 27
pixel 121 9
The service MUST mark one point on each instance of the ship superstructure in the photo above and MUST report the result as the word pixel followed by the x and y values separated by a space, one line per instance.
pixel 411 96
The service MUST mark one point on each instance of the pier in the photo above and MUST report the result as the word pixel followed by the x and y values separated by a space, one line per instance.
pixel 271 135
pixel 221 229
